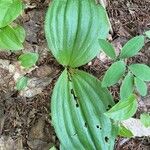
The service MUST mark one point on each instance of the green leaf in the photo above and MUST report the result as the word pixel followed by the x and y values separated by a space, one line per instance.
pixel 132 47
pixel 9 39
pixel 107 48
pixel 28 59
pixel 145 119
pixel 124 109
pixel 9 11
pixel 127 86
pixel 124 132
pixel 148 33
pixel 22 83
pixel 53 148
pixel 114 73
pixel 72 32
pixel 20 33
pixel 142 71
pixel 77 114
pixel 141 86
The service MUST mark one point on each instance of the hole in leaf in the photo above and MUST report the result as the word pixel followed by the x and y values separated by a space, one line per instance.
pixel 74 96
pixel 109 106
pixel 85 124
pixel 77 105
pixel 106 139
pixel 97 126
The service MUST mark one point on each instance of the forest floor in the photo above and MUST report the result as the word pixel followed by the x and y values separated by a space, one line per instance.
pixel 24 116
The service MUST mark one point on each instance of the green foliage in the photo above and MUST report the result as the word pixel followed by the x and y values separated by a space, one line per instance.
pixel 28 59
pixel 145 119
pixel 124 109
pixel 22 83
pixel 114 73
pixel 75 31
pixel 132 47
pixel 107 48
pixel 124 132
pixel 127 86
pixel 72 32
pixel 148 33
pixel 140 86
pixel 141 71
pixel 9 11
pixel 53 148
pixel 78 116
pixel 20 33
pixel 9 39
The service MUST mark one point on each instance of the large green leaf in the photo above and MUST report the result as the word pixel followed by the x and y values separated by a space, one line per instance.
pixel 78 104
pixel 132 47
pixel 127 86
pixel 9 11
pixel 140 86
pixel 107 48
pixel 9 39
pixel 124 109
pixel 73 28
pixel 114 73
pixel 142 71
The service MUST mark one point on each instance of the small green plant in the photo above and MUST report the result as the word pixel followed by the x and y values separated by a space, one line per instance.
pixel 11 35
pixel 83 111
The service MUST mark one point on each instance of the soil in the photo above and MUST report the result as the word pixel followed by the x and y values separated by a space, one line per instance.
pixel 25 123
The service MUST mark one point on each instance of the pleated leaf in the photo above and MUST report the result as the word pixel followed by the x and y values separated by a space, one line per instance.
pixel 72 29
pixel 127 86
pixel 9 11
pixel 9 39
pixel 78 104
pixel 124 109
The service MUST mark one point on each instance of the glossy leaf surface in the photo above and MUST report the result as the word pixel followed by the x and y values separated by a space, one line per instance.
pixel 9 39
pixel 78 104
pixel 142 71
pixel 114 73
pixel 132 47
pixel 73 28
pixel 124 109
pixel 28 59
pixel 127 86
pixel 107 48
pixel 9 11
